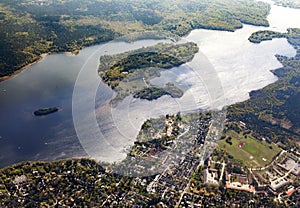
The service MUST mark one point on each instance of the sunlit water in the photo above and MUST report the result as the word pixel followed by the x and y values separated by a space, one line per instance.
pixel 235 65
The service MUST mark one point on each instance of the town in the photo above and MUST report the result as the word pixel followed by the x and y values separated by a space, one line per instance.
pixel 196 171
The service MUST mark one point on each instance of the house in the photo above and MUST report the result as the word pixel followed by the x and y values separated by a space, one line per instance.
pixel 210 177
pixel 276 184
pixel 20 179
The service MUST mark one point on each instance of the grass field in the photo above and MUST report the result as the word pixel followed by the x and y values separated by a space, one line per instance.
pixel 253 153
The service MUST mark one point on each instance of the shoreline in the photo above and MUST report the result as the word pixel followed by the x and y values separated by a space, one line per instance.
pixel 46 161
pixel 15 73
pixel 41 57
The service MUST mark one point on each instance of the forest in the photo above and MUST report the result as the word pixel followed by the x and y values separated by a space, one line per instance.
pixel 274 110
pixel 29 28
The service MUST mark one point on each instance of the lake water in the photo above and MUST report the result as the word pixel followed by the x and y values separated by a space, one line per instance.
pixel 227 68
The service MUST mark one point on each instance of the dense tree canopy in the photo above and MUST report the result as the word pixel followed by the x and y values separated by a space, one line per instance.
pixel 29 28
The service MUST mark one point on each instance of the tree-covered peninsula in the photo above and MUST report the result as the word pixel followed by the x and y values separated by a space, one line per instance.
pixel 130 72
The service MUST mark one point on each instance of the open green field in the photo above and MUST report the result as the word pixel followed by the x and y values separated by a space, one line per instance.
pixel 253 153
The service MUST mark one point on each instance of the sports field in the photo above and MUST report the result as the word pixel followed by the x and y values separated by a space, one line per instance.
pixel 249 151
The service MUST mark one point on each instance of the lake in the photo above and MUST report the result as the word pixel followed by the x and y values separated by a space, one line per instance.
pixel 225 70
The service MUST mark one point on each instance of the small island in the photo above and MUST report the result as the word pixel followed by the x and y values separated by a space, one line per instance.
pixel 45 111
pixel 259 36
pixel 153 93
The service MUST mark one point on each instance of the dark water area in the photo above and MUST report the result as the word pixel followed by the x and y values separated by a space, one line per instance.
pixel 48 83
pixel 45 84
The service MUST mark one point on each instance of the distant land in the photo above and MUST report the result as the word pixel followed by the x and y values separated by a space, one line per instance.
pixel 288 3
pixel 29 29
